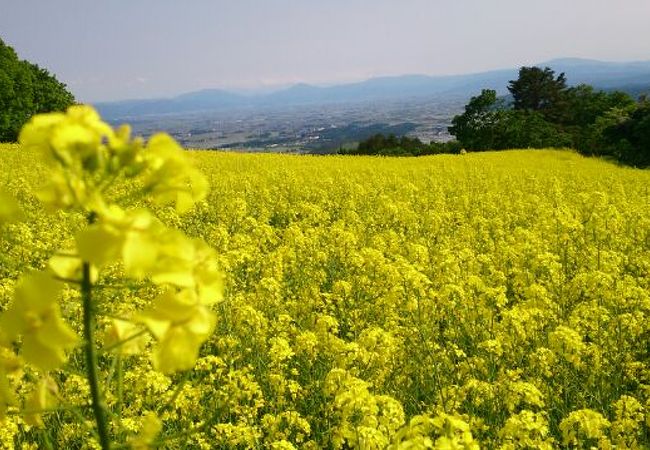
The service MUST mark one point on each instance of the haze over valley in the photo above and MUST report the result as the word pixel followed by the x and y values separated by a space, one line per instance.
pixel 314 119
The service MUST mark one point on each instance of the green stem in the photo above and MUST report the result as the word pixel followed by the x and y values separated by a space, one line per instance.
pixel 177 391
pixel 120 386
pixel 47 439
pixel 98 406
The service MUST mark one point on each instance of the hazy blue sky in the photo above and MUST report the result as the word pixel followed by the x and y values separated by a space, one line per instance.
pixel 116 49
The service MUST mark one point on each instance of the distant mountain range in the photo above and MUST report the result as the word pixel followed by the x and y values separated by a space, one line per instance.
pixel 633 77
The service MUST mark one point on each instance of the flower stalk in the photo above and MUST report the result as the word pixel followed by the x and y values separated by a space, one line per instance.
pixel 89 319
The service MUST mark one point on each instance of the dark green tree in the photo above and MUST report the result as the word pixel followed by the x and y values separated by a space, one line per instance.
pixel 475 129
pixel 540 90
pixel 588 114
pixel 585 104
pixel 528 129
pixel 597 139
pixel 26 89
pixel 392 145
pixel 631 136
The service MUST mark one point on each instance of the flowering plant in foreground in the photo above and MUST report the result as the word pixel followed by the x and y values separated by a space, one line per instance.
pixel 88 161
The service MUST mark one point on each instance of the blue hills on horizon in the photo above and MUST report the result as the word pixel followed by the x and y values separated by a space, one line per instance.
pixel 633 77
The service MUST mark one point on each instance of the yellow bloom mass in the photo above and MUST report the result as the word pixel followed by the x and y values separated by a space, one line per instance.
pixel 494 300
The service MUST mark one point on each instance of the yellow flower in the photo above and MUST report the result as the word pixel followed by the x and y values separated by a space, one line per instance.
pixel 147 248
pixel 68 138
pixel 180 324
pixel 526 429
pixel 42 398
pixel 282 445
pixel 70 267
pixel 583 425
pixel 110 240
pixel 151 428
pixel 35 315
pixel 171 178
pixel 120 335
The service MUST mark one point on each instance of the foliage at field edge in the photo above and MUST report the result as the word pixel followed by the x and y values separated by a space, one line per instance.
pixel 545 112
pixel 392 145
pixel 26 89
pixel 498 300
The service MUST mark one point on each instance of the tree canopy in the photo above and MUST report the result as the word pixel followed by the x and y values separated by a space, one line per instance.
pixel 26 89
pixel 476 127
pixel 628 138
pixel 539 90
pixel 546 113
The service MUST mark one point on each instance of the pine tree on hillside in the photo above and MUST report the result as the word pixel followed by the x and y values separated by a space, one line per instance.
pixel 539 90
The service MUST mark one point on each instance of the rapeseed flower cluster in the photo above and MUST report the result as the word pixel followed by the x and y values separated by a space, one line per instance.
pixel 494 300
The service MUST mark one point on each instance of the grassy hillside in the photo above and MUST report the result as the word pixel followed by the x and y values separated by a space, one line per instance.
pixel 499 299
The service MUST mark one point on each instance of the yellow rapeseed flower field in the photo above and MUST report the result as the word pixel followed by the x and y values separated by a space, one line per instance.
pixel 487 300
